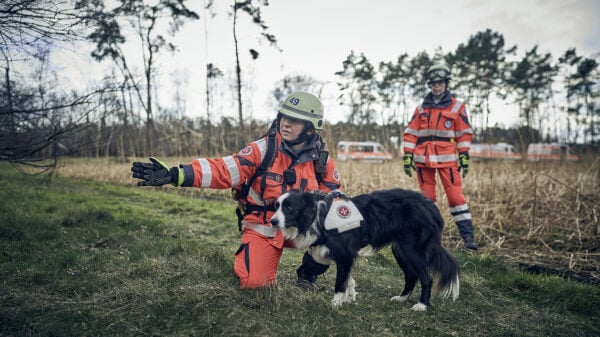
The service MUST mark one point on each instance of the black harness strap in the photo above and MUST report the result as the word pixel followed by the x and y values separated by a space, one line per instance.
pixel 264 165
pixel 321 162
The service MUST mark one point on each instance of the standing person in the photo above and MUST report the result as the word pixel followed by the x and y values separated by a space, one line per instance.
pixel 439 135
pixel 298 161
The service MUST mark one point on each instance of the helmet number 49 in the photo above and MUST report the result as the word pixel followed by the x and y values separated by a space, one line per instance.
pixel 294 101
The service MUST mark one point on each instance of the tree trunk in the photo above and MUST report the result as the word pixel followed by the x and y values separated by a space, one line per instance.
pixel 238 73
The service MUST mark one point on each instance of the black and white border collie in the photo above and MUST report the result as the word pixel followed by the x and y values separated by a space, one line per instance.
pixel 406 220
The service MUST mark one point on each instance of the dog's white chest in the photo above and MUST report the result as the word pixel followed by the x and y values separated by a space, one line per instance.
pixel 343 216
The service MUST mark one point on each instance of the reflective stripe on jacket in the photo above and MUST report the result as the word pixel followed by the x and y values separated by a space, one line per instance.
pixel 436 133
pixel 231 171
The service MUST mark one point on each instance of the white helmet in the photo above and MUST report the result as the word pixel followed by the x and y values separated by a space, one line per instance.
pixel 304 106
pixel 438 72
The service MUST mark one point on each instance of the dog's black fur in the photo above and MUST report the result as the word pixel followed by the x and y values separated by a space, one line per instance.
pixel 404 219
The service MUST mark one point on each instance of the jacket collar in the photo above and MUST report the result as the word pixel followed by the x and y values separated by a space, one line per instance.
pixel 309 152
pixel 446 101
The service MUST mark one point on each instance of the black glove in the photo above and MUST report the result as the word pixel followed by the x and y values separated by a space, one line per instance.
pixel 155 173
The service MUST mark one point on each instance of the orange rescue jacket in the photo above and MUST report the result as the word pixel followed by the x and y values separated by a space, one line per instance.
pixel 233 170
pixel 438 132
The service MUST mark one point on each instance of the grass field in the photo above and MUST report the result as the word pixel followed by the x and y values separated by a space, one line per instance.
pixel 89 254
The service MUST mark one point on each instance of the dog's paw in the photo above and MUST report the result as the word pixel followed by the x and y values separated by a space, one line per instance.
pixel 419 307
pixel 350 296
pixel 400 299
pixel 338 300
pixel 351 291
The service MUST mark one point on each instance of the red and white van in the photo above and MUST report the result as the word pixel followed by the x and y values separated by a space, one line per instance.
pixel 493 151
pixel 552 151
pixel 365 151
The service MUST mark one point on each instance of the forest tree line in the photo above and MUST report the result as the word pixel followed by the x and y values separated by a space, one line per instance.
pixel 556 95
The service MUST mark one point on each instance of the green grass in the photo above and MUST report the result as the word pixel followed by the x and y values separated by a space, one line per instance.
pixel 85 258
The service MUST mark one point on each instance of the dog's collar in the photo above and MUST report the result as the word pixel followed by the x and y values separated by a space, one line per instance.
pixel 337 194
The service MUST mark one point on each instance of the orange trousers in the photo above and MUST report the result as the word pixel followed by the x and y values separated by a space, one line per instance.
pixel 451 180
pixel 257 259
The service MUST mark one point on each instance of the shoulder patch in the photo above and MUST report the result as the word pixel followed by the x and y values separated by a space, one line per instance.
pixel 246 151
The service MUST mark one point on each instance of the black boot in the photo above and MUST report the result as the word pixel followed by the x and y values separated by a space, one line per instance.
pixel 470 243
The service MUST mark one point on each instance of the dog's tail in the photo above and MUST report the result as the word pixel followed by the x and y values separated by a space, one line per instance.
pixel 446 268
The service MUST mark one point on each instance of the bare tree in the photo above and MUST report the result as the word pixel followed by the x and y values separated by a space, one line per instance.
pixel 35 119
pixel 530 81
pixel 479 66
pixel 393 87
pixel 253 9
pixel 212 72
pixel 417 68
pixel 40 130
pixel 146 20
pixel 360 88
pixel 582 87
pixel 27 25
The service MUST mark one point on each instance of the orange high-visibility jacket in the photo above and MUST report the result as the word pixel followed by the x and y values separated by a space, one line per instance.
pixel 234 170
pixel 436 132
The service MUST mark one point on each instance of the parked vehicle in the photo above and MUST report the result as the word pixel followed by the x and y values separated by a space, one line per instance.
pixel 494 151
pixel 365 151
pixel 552 151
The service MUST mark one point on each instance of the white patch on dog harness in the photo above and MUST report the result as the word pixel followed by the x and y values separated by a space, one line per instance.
pixel 343 216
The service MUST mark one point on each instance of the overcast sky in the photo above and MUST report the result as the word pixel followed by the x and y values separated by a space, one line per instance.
pixel 316 36
pixel 383 29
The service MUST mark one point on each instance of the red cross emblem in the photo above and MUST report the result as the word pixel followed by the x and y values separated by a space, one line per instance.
pixel 343 211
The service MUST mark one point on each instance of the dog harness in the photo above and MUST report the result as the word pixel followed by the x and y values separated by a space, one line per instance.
pixel 342 216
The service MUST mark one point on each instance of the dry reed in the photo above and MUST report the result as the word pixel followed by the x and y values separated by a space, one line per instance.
pixel 544 214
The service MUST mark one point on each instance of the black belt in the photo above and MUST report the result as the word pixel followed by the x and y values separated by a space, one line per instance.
pixel 260 209
pixel 433 139
pixel 249 208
